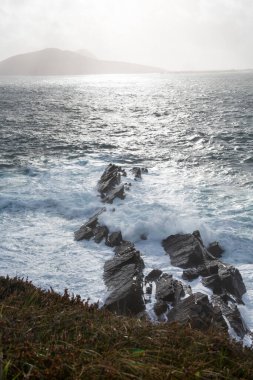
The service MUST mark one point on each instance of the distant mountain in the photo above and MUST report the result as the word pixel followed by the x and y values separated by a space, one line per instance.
pixel 63 62
pixel 86 53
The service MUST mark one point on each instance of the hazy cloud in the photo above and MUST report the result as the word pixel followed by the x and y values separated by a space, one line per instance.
pixel 175 34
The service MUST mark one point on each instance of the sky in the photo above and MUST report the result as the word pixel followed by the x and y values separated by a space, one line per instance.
pixel 171 34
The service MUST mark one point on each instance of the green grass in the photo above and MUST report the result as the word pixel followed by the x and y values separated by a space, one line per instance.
pixel 48 336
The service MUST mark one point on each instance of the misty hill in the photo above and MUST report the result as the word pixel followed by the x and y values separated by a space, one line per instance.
pixel 63 62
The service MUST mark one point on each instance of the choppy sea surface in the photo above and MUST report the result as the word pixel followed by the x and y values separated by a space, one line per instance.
pixel 194 132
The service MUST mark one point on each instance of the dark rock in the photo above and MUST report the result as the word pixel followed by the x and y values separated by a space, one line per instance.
pixel 137 172
pixel 215 249
pixel 153 275
pixel 118 192
pixel 100 233
pixel 109 179
pixel 114 239
pixel 232 314
pixel 123 277
pixel 185 250
pixel 143 237
pixel 198 236
pixel 149 289
pixel 197 311
pixel 160 308
pixel 168 289
pixel 202 270
pixel 86 231
pixel 124 248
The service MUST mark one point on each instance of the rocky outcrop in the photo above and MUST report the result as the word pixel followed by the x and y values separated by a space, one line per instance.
pixel 92 229
pixel 109 185
pixel 173 300
pixel 198 312
pixel 188 251
pixel 123 276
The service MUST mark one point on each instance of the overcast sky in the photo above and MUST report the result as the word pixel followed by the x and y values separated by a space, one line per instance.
pixel 173 34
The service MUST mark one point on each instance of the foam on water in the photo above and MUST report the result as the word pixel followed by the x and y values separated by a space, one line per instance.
pixel 194 133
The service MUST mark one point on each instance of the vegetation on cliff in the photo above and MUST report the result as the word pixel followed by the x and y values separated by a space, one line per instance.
pixel 45 335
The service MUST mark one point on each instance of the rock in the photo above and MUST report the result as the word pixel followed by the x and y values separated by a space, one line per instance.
pixel 197 311
pixel 185 250
pixel 153 275
pixel 143 237
pixel 123 276
pixel 215 249
pixel 168 289
pixel 160 308
pixel 114 239
pixel 86 231
pixel 232 314
pixel 202 270
pixel 118 192
pixel 100 233
pixel 137 172
pixel 109 179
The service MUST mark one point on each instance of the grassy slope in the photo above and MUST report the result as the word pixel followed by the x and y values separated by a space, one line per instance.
pixel 49 336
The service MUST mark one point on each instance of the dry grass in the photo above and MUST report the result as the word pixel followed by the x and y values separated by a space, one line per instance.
pixel 48 336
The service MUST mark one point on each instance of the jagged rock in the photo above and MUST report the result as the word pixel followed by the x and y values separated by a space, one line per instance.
pixel 153 275
pixel 232 313
pixel 228 280
pixel 118 192
pixel 185 250
pixel 202 270
pixel 100 233
pixel 87 230
pixel 160 308
pixel 168 289
pixel 124 248
pixel 109 179
pixel 197 311
pixel 114 239
pixel 123 276
pixel 215 249
pixel 198 236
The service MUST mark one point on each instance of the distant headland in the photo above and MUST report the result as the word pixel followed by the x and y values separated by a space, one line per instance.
pixel 54 61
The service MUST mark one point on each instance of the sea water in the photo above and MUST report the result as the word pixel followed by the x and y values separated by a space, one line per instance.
pixel 194 133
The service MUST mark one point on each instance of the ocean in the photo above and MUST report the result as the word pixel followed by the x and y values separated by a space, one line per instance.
pixel 194 133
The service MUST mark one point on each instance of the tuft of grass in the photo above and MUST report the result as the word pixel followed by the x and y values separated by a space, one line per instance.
pixel 50 336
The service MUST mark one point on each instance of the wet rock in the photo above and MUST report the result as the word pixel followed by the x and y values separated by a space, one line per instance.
pixel 232 314
pixel 185 250
pixel 215 249
pixel 86 231
pixel 114 239
pixel 118 192
pixel 160 308
pixel 123 276
pixel 169 289
pixel 197 311
pixel 143 237
pixel 202 270
pixel 137 172
pixel 109 179
pixel 227 280
pixel 153 275
pixel 100 233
